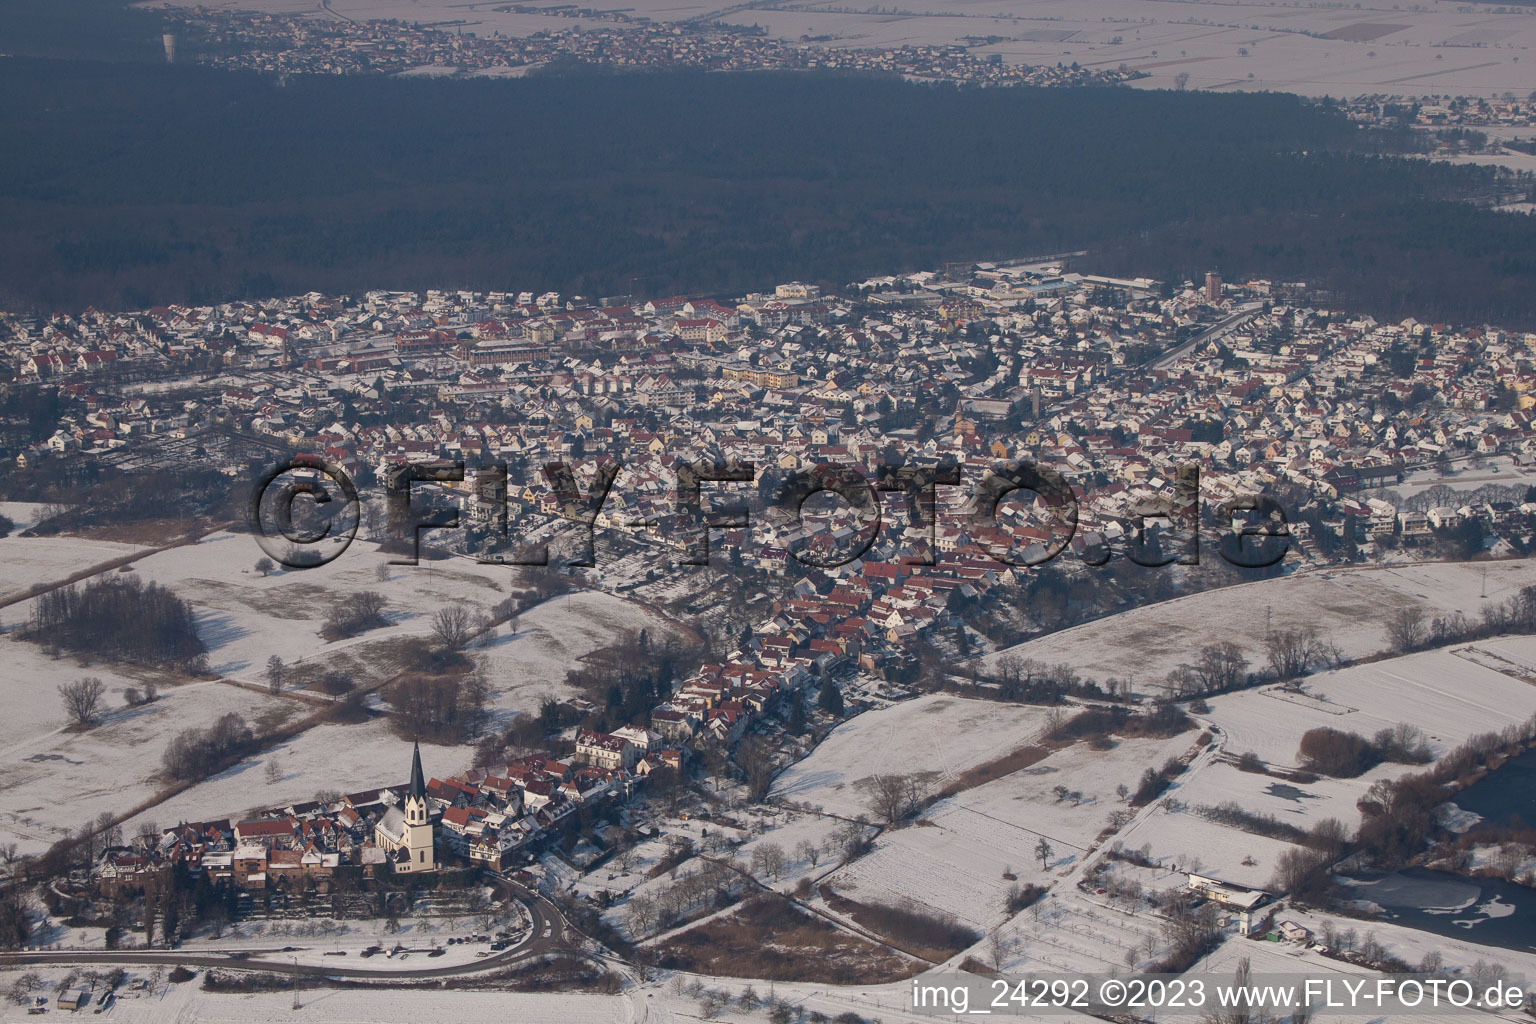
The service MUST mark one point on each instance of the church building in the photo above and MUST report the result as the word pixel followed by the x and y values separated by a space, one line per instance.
pixel 406 835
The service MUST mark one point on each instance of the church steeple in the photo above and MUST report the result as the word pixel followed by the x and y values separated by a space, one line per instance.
pixel 418 790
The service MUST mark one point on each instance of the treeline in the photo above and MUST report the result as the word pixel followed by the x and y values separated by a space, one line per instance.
pixel 85 492
pixel 1345 755
pixel 195 754
pixel 1397 815
pixel 120 618
pixel 884 175
pixel 439 708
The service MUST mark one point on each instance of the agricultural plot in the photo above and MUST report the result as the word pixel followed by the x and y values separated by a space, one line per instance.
pixel 42 561
pixel 1447 695
pixel 550 639
pixel 1349 607
pixel 955 859
pixel 936 733
pixel 58 781
pixel 947 871
pixel 1187 842
pixel 1068 931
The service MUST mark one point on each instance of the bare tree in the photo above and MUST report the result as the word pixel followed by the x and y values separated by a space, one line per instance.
pixel 82 699
pixel 1407 629
pixel 451 627
pixel 998 948
pixel 274 772
pixel 808 852
pixel 1044 851
pixel 640 914
pixel 768 858
pixel 275 674
pixel 1222 666
pixel 109 830
pixel 895 797
pixel 265 565
pixel 1291 652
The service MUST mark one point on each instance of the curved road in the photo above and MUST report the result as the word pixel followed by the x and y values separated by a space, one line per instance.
pixel 549 933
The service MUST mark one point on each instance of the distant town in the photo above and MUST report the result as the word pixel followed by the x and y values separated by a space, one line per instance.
pixel 289 44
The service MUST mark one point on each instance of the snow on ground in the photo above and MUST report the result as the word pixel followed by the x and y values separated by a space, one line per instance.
pixel 187 1003
pixel 1184 840
pixel 1349 606
pixel 30 681
pixel 346 758
pixel 24 514
pixel 954 860
pixel 1069 931
pixel 59 781
pixel 945 870
pixel 1249 44
pixel 245 617
pixel 1447 695
pixel 33 561
pixel 937 733
pixel 1301 805
pixel 551 638
pixel 1497 470
pixel 1026 799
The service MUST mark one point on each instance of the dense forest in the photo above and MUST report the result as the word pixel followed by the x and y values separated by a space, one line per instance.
pixel 128 184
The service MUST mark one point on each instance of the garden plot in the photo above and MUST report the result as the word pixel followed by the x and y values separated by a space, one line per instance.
pixel 948 871
pixel 40 561
pixel 1445 694
pixel 340 758
pixel 954 860
pixel 935 733
pixel 1349 607
pixel 812 829
pixel 1068 931
pixel 62 780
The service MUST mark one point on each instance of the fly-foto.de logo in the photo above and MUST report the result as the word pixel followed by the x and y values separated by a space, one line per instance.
pixel 305 513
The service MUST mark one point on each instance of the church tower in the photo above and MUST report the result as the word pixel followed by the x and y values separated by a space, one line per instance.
pixel 418 823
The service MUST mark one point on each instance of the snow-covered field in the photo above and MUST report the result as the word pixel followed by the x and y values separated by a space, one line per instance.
pixel 345 758
pixel 58 781
pixel 551 639
pixel 1468 49
pixel 244 618
pixel 1497 470
pixel 33 561
pixel 188 1004
pixel 1348 606
pixel 935 733
pixel 1447 695
pixel 954 861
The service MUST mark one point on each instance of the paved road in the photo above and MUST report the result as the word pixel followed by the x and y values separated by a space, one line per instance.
pixel 1236 320
pixel 549 934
